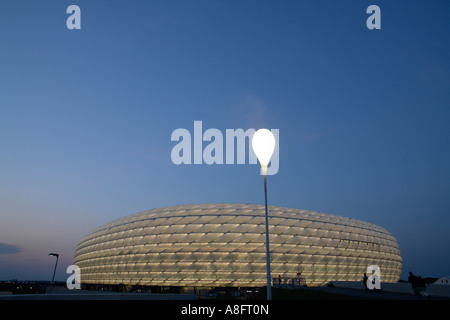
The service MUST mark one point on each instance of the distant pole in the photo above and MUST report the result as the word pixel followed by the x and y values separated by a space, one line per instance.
pixel 54 271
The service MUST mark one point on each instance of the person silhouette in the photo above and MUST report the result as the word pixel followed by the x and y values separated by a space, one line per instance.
pixel 365 277
pixel 413 280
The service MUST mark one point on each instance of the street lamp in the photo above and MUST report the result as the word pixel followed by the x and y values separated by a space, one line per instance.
pixel 54 271
pixel 263 144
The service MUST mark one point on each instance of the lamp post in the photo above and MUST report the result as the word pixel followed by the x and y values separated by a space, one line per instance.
pixel 54 271
pixel 263 144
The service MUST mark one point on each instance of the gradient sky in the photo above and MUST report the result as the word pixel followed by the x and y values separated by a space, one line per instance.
pixel 86 116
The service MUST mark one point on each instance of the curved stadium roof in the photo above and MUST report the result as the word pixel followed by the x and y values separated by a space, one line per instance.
pixel 211 245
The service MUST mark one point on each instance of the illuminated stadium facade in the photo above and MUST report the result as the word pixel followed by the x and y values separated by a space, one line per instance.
pixel 214 245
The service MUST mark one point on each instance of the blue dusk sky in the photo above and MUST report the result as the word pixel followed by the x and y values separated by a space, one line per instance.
pixel 86 116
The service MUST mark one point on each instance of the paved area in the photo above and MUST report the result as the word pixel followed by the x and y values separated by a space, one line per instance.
pixel 92 295
pixel 378 295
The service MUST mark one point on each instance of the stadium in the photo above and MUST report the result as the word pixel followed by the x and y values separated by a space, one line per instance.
pixel 223 245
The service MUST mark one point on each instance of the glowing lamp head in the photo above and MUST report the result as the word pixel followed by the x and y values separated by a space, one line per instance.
pixel 263 143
